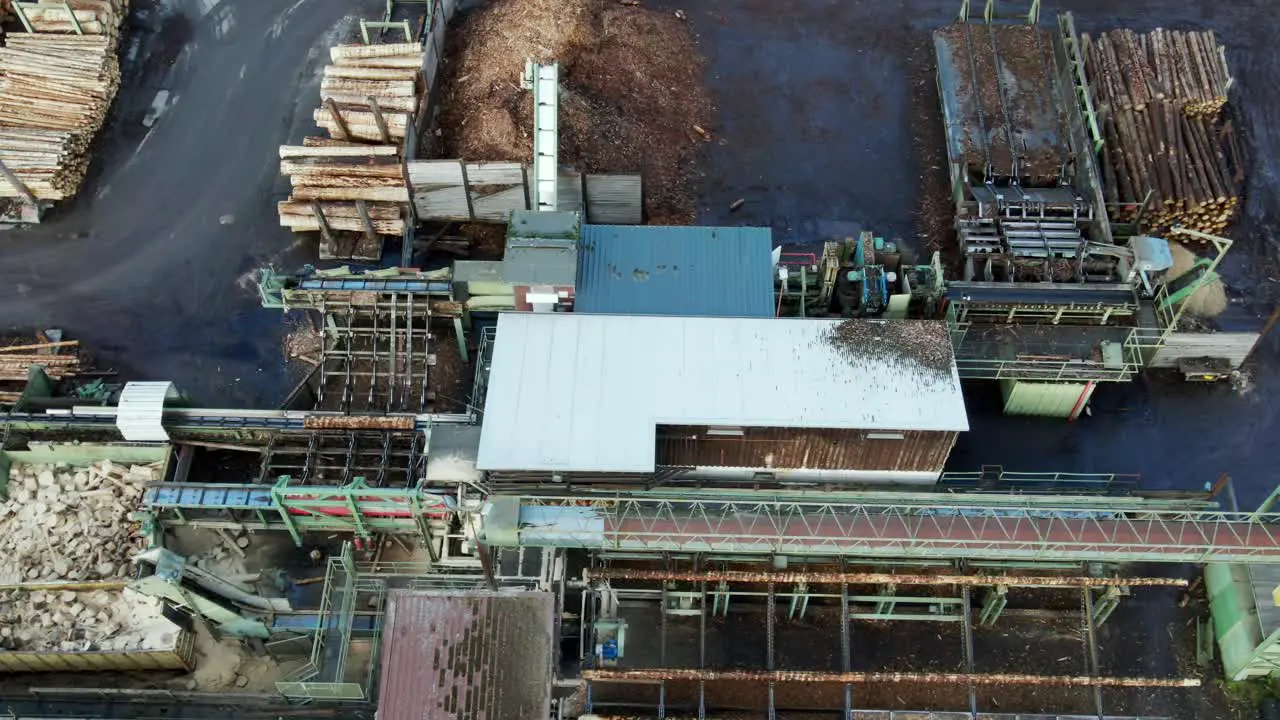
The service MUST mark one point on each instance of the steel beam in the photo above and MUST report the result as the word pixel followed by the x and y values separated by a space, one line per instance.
pixel 967 639
pixel 834 578
pixel 1091 644
pixel 814 676
pixel 846 656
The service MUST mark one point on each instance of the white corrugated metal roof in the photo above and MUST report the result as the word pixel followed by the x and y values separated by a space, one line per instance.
pixel 140 411
pixel 578 392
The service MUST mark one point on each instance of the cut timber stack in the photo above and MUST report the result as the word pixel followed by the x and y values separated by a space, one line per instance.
pixel 60 359
pixel 351 187
pixel 94 17
pixel 370 92
pixel 1159 97
pixel 55 91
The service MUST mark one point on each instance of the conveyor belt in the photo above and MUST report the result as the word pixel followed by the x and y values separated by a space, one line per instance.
pixel 387 285
pixel 223 497
pixel 1056 294
pixel 213 419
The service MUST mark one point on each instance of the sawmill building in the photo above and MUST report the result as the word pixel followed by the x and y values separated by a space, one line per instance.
pixel 629 399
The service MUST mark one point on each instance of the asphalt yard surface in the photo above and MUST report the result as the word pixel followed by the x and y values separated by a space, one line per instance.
pixel 822 108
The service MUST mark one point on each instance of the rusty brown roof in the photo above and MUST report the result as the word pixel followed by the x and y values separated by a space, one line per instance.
pixel 472 654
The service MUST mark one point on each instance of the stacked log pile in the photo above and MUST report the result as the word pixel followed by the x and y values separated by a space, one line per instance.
pixel 1160 97
pixel 351 186
pixel 94 17
pixel 55 90
pixel 59 359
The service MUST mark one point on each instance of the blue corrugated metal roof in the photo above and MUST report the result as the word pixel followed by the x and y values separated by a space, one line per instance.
pixel 661 270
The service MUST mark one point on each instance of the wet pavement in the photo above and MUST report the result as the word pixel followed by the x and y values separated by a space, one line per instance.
pixel 149 266
pixel 815 108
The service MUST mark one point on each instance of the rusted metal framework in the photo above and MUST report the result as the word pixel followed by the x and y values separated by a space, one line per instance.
pixel 383 458
pixel 770 588
pixel 376 355
pixel 810 676
pixel 837 578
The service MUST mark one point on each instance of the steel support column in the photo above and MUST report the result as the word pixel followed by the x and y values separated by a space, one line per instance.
pixel 1091 645
pixel 967 614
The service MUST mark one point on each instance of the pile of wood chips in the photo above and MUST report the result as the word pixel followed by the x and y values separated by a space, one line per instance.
pixel 55 90
pixel 351 186
pixel 1160 97
pixel 632 92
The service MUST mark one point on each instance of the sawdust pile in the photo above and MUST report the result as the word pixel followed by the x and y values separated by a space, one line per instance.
pixel 228 664
pixel 918 346
pixel 631 92
pixel 70 524
pixel 70 621
pixel 1207 302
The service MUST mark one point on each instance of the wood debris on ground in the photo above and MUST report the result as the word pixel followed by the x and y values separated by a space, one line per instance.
pixel 631 90
pixel 351 187
pixel 1160 98
pixel 56 87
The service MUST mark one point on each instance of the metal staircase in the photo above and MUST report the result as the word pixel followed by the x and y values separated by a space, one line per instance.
pixel 994 11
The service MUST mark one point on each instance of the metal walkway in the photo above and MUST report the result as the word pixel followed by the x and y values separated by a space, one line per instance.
pixel 989 528
pixel 889 524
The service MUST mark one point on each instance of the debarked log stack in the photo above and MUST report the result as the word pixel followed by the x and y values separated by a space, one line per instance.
pixel 88 17
pixel 55 90
pixel 1168 152
pixel 351 186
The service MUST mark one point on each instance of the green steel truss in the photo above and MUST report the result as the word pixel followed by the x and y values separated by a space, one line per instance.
pixel 354 507
pixel 896 525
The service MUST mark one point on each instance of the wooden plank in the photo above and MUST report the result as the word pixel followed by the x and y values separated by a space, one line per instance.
pixel 467 188
pixel 332 107
pixel 379 119
pixel 434 172
pixel 449 203
pixel 40 346
pixel 495 173
pixel 497 207
pixel 614 199
pixel 318 213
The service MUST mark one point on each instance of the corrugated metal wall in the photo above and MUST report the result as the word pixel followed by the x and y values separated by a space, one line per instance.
pixel 815 449
pixel 180 657
pixel 1045 399
pixel 490 191
pixel 1234 346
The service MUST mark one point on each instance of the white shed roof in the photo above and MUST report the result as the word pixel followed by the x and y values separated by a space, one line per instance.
pixel 580 392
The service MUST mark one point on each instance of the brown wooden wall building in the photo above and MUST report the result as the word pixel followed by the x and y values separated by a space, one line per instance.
pixel 866 451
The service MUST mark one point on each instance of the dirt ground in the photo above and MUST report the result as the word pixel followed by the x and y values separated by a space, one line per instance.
pixel 451 379
pixel 632 94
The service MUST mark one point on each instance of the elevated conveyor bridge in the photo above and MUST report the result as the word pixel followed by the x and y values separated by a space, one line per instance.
pixel 885 524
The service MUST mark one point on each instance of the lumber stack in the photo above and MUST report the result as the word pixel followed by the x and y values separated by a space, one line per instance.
pixel 1166 152
pixel 370 92
pixel 351 186
pixel 55 91
pixel 94 17
pixel 60 359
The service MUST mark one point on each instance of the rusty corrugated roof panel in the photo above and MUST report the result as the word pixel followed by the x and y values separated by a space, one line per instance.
pixel 472 654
